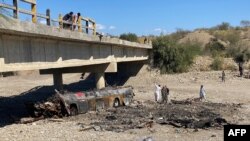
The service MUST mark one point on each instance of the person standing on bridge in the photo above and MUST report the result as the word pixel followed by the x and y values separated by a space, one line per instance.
pixel 76 19
pixel 68 18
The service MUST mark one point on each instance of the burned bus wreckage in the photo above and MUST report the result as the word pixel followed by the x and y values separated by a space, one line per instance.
pixel 66 103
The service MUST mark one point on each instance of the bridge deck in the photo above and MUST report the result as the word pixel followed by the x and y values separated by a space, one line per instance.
pixel 28 46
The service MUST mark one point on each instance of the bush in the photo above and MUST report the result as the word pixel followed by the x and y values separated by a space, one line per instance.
pixel 223 26
pixel 242 57
pixel 129 37
pixel 172 57
pixel 217 64
pixel 232 36
pixel 215 48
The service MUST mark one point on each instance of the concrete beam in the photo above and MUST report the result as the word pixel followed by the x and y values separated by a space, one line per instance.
pixel 112 67
pixel 108 67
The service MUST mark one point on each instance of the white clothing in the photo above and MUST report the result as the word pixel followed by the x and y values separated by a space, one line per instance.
pixel 158 93
pixel 202 93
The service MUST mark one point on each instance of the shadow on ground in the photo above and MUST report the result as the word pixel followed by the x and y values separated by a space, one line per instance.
pixel 12 109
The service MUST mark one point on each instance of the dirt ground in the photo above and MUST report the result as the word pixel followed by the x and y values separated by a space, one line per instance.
pixel 17 89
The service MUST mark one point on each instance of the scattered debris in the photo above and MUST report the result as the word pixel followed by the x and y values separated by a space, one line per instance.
pixel 29 120
pixel 53 107
pixel 97 128
pixel 56 120
pixel 86 128
pixel 188 113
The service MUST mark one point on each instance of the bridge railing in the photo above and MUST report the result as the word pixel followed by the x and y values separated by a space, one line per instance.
pixel 89 23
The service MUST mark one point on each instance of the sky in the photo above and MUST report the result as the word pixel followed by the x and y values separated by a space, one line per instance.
pixel 145 17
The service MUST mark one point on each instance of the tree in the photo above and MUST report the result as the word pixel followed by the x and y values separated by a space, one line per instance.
pixel 132 37
pixel 245 23
pixel 223 26
pixel 240 58
pixel 172 57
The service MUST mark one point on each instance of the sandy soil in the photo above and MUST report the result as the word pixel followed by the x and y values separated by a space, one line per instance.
pixel 15 90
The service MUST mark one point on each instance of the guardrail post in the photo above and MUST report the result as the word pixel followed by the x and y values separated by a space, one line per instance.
pixel 94 28
pixel 80 24
pixel 87 26
pixel 33 10
pixel 16 12
pixel 60 21
pixel 49 18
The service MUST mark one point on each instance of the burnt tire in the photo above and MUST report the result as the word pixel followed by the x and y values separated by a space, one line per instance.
pixel 116 103
pixel 73 110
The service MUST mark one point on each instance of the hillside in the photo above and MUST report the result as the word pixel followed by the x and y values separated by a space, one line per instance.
pixel 225 37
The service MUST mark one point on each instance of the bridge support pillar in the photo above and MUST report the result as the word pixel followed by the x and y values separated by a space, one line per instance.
pixel 100 81
pixel 58 80
pixel 1 62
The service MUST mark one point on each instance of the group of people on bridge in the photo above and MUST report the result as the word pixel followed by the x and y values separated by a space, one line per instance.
pixel 72 20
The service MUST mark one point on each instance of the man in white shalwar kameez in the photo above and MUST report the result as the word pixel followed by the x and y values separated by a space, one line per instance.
pixel 202 93
pixel 158 95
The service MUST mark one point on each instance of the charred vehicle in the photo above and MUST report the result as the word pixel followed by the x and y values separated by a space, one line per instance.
pixel 82 102
pixel 72 103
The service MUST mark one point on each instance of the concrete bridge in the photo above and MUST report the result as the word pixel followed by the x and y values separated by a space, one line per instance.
pixel 52 50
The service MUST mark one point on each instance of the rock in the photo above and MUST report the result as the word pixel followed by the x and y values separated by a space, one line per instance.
pixel 196 130
pixel 213 136
pixel 111 117
pixel 97 128
pixel 148 139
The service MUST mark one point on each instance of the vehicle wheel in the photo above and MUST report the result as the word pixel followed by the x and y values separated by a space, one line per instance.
pixel 73 111
pixel 116 103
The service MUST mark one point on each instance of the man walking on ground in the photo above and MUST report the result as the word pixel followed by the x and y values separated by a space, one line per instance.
pixel 241 69
pixel 202 93
pixel 165 93
pixel 158 95
pixel 223 77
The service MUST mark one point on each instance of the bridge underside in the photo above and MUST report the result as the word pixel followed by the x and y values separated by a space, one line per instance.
pixel 115 71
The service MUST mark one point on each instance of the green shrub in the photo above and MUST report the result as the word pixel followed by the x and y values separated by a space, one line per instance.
pixel 223 26
pixel 214 49
pixel 129 37
pixel 242 57
pixel 172 57
pixel 217 64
